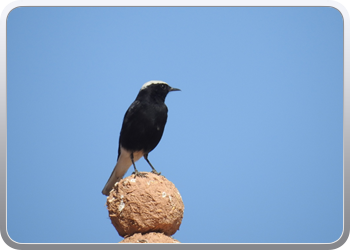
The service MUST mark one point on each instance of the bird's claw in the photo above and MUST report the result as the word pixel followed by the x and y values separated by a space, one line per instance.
pixel 155 172
pixel 138 174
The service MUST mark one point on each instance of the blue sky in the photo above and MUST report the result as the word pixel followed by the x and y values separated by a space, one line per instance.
pixel 253 142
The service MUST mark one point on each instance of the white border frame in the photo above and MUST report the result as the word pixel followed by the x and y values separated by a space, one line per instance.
pixel 169 3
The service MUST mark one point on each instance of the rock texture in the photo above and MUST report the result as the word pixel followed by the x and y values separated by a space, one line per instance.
pixel 149 238
pixel 145 204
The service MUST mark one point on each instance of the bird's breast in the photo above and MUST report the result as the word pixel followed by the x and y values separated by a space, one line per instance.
pixel 143 128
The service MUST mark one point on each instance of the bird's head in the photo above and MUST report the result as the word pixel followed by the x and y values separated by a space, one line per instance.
pixel 156 89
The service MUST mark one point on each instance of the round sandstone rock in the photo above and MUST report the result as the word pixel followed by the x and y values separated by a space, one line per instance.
pixel 145 204
pixel 149 238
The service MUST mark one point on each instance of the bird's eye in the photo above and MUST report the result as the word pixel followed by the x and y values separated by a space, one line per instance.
pixel 163 86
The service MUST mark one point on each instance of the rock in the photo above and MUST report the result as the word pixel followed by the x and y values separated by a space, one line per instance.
pixel 149 238
pixel 145 204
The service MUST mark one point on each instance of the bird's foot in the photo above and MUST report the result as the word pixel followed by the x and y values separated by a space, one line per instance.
pixel 138 174
pixel 155 172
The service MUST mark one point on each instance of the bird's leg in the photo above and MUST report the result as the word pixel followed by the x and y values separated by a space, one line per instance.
pixel 136 172
pixel 154 171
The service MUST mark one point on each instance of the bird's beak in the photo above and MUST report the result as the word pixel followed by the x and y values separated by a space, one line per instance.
pixel 174 89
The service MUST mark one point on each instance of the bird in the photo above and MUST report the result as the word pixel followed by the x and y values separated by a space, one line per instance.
pixel 141 131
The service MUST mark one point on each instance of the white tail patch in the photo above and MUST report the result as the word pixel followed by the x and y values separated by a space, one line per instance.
pixel 123 164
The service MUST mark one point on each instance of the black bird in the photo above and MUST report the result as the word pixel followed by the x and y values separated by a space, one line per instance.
pixel 142 129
